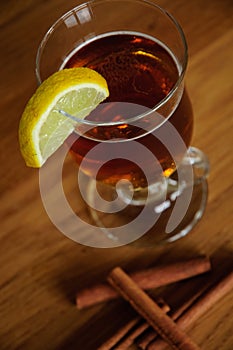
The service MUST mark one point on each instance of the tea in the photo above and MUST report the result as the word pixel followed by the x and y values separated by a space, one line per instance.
pixel 139 71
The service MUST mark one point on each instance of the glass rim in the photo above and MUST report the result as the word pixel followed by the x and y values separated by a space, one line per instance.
pixel 162 102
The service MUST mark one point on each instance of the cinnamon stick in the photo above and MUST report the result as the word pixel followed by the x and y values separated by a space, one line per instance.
pixel 129 339
pixel 140 327
pixel 125 336
pixel 207 300
pixel 146 279
pixel 111 342
pixel 149 336
pixel 150 311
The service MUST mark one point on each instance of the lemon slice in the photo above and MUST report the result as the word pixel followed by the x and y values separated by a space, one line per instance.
pixel 42 128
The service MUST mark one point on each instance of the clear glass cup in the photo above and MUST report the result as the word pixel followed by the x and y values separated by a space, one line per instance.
pixel 138 174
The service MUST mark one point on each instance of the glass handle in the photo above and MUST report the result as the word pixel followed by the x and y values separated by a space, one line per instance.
pixel 200 168
pixel 199 162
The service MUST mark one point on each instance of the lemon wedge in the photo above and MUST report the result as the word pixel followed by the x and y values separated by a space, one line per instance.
pixel 42 128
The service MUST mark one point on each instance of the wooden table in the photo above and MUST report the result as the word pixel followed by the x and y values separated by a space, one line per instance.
pixel 41 269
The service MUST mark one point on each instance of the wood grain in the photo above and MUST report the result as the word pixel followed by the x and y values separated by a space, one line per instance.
pixel 41 269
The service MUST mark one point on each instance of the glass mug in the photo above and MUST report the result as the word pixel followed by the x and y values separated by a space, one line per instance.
pixel 137 170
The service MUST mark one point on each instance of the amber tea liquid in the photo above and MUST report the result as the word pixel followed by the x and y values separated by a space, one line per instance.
pixel 141 71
